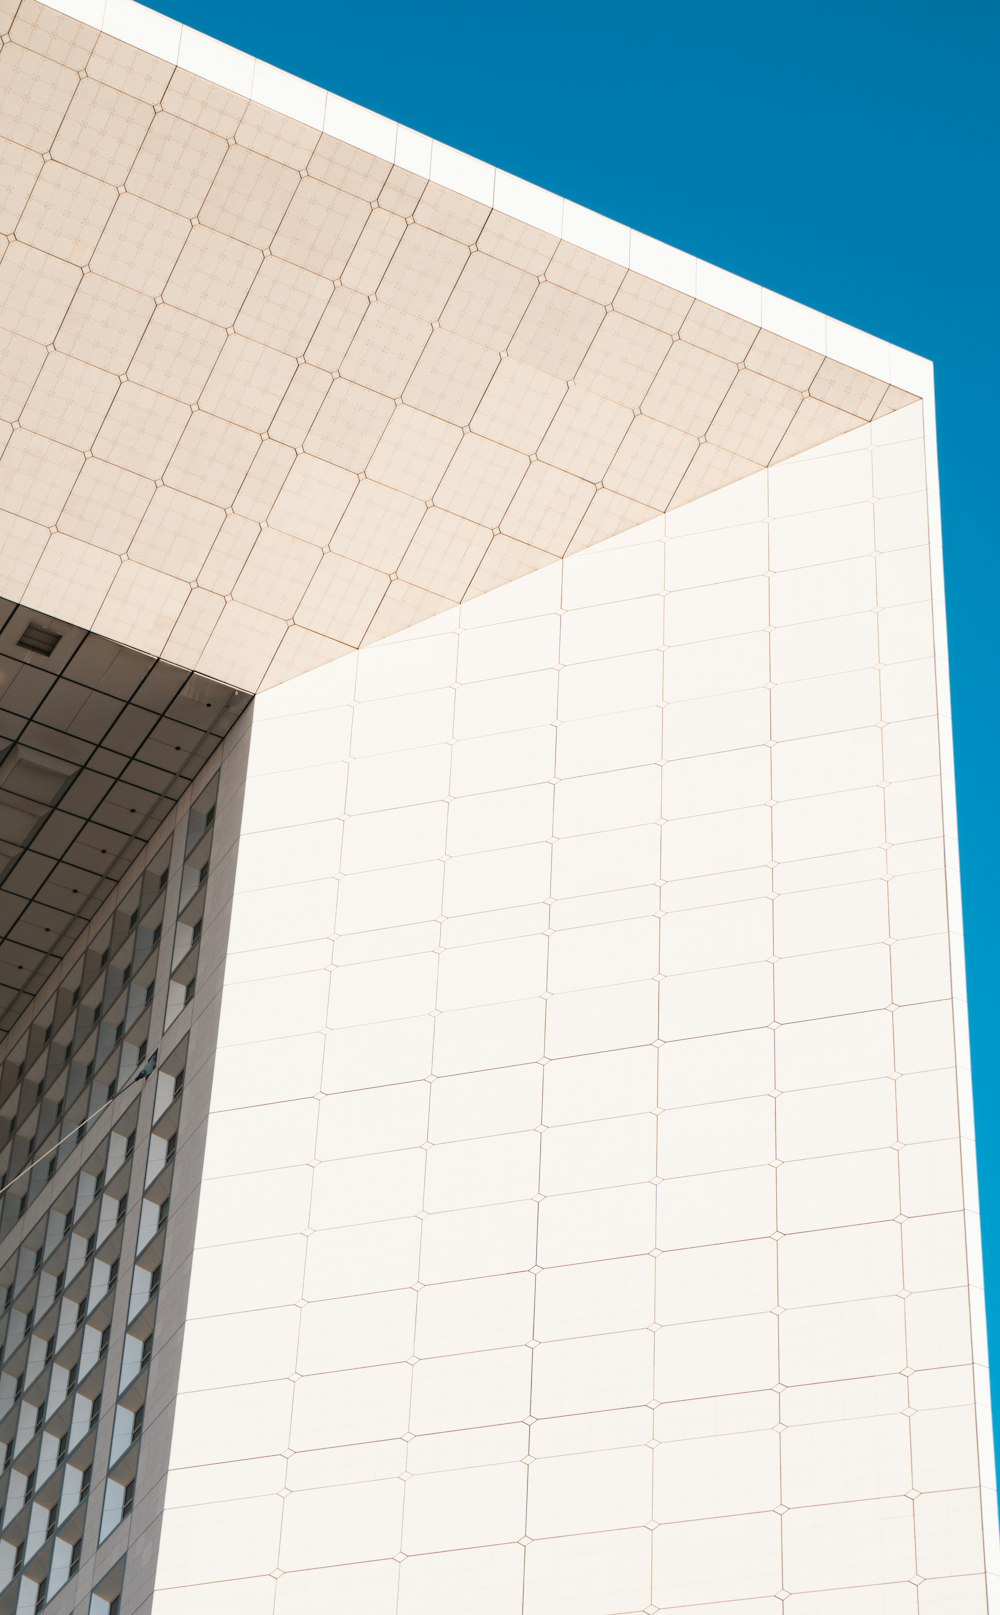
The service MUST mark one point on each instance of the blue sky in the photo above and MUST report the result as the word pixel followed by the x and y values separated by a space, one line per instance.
pixel 845 156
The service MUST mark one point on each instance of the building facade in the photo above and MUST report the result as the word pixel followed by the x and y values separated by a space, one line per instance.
pixel 485 1114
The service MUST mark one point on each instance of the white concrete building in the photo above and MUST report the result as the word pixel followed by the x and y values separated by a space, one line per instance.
pixel 485 1111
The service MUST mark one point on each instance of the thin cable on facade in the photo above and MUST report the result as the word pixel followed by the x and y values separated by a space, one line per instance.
pixel 141 1075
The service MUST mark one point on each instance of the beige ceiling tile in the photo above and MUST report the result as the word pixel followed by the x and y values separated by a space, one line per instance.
pixel 689 387
pixel 247 383
pixel 506 560
pixel 284 305
pixel 22 544
pixel 451 377
pixel 102 131
pixel 783 361
pixel 140 245
pixel 373 252
pixel 847 389
pixel 20 361
pixel 277 573
pixel 401 191
pixel 192 631
pixel 402 606
pixel 377 526
pixel 71 580
pixel 342 599
pixel 653 304
pixel 228 556
pixel 753 417
pixel 242 642
pixel 34 95
pixel 894 399
pixel 176 353
pixel 556 331
pixel 712 467
pixel 607 515
pixel 176 165
pixel 481 480
pixel 18 171
pixel 517 243
pixel 249 196
pixel 585 434
pixel 489 301
pixel 104 324
pixel 123 67
pixel 212 275
pixel 444 553
pixel 66 213
pixel 386 346
pixel 141 430
pixel 451 214
pixel 651 462
pixel 349 424
pixel 814 423
pixel 581 271
pixel 296 414
pixel 176 533
pixel 208 105
pixel 35 291
pixel 141 607
pixel 212 459
pixel 106 505
pixel 720 333
pixel 36 476
pixel 335 332
pixel 547 508
pixel 623 359
pixel 301 651
pixel 69 401
pixel 348 168
pixel 422 273
pixel 58 38
pixel 518 405
pixel 312 500
pixel 414 452
pixel 272 134
pixel 320 228
pixel 264 481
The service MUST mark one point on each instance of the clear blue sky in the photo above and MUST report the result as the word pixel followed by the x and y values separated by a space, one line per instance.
pixel 843 155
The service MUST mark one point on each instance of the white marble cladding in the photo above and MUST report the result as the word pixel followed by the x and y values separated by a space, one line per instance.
pixel 588 1223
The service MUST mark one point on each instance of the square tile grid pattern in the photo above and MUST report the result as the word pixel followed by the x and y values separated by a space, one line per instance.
pixel 266 396
pixel 99 744
pixel 588 1221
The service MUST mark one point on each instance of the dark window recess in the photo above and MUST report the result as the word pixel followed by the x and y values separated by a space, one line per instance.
pixel 38 639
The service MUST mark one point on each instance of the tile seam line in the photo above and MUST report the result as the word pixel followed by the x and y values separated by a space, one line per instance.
pixel 170 41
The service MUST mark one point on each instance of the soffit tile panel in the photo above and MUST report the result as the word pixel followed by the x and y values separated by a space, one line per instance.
pixel 265 397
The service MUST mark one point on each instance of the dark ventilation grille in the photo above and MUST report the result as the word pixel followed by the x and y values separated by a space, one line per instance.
pixel 39 639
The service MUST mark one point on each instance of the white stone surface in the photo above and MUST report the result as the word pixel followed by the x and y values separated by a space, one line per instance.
pixel 589 1066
